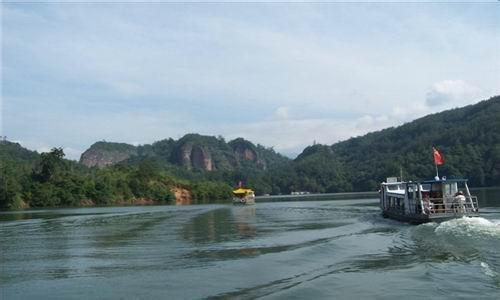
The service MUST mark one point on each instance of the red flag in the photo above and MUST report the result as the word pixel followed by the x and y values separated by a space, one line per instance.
pixel 438 160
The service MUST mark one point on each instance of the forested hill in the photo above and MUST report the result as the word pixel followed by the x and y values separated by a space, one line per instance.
pixel 191 152
pixel 196 167
pixel 468 139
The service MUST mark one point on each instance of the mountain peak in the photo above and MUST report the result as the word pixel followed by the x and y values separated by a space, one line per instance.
pixel 103 153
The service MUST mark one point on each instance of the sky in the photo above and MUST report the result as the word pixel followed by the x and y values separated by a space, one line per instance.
pixel 284 75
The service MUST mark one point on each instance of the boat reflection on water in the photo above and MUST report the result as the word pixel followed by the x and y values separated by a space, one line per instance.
pixel 221 225
pixel 244 220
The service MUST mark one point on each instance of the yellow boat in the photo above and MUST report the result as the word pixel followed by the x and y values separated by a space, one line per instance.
pixel 243 196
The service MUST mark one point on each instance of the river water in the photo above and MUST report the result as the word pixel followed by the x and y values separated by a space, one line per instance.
pixel 340 249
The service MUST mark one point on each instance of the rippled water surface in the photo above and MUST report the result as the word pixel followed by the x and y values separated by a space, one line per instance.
pixel 339 249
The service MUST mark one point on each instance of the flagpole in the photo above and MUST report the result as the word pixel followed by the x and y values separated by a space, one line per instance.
pixel 437 161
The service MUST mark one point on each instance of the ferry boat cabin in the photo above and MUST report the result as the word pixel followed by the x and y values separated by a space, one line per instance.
pixel 426 201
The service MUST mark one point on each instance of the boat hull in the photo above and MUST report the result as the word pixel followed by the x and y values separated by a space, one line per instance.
pixel 244 201
pixel 422 218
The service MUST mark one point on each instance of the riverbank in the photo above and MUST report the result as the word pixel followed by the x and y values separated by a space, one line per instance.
pixel 181 196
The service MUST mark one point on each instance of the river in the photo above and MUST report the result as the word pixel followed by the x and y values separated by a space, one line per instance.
pixel 340 249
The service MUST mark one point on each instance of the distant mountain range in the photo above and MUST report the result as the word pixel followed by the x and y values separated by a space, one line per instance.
pixel 468 139
pixel 192 152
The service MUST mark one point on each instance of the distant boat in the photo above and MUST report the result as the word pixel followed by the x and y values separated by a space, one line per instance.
pixel 243 196
pixel 427 201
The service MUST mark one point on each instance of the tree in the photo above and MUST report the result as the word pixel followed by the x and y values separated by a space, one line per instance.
pixel 10 188
pixel 50 164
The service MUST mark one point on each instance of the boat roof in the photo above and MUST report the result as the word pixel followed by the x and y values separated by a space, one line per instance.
pixel 242 191
pixel 445 180
pixel 433 181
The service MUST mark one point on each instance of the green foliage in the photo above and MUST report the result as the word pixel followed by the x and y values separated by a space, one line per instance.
pixel 10 186
pixel 209 190
pixel 50 165
pixel 146 181
pixel 48 180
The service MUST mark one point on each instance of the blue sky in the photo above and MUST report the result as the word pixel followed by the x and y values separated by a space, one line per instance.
pixel 280 74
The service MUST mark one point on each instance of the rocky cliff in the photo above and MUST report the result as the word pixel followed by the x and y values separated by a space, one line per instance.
pixel 194 157
pixel 103 154
pixel 245 151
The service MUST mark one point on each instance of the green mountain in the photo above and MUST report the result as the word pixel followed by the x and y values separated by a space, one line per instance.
pixel 191 152
pixel 15 162
pixel 468 138
pixel 15 153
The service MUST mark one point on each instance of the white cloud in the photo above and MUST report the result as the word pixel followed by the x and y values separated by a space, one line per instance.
pixel 291 136
pixel 72 153
pixel 452 92
pixel 282 112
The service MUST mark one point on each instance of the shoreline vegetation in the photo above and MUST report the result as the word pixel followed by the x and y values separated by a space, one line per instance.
pixel 49 180
pixel 199 168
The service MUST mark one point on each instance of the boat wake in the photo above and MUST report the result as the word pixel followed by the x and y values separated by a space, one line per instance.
pixel 463 239
pixel 488 271
pixel 476 228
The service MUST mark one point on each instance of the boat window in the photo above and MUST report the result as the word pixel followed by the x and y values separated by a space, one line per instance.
pixel 450 188
pixel 436 187
pixel 396 187
pixel 426 187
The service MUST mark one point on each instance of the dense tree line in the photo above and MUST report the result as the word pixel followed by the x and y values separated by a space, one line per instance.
pixel 49 180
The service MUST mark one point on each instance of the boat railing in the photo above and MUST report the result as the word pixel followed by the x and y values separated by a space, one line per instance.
pixel 450 205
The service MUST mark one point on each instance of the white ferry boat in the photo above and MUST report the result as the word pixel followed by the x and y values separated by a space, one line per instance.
pixel 244 196
pixel 427 201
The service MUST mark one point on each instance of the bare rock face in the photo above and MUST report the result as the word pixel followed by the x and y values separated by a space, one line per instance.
pixel 102 159
pixel 246 154
pixel 201 159
pixel 103 154
pixel 182 196
pixel 195 157
pixel 245 151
